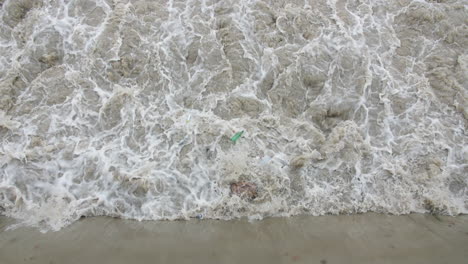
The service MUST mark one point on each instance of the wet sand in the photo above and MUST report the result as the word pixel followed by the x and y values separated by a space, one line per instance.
pixel 367 238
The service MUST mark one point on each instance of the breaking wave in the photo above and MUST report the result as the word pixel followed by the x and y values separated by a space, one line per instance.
pixel 126 108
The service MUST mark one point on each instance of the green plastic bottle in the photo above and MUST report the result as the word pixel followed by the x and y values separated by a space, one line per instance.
pixel 237 136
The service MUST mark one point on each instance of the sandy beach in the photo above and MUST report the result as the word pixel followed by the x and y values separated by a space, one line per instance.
pixel 366 238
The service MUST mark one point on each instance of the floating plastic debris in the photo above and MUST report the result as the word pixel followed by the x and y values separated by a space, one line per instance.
pixel 237 136
pixel 265 160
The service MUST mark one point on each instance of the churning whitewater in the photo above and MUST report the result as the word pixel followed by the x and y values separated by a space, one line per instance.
pixel 127 108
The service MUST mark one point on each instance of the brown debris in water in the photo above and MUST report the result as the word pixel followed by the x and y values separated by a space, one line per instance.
pixel 297 162
pixel 244 189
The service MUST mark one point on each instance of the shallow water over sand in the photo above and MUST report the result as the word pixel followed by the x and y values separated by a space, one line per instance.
pixel 126 108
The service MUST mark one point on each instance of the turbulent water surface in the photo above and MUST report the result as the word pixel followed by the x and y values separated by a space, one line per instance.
pixel 126 108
